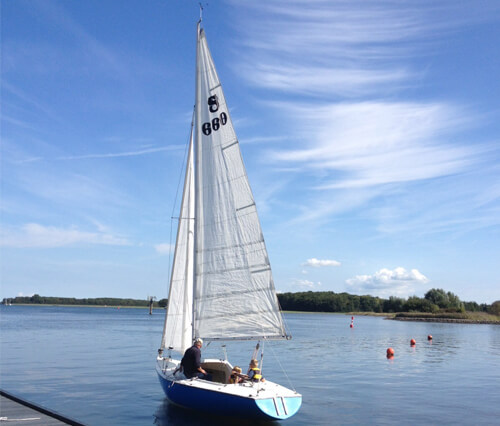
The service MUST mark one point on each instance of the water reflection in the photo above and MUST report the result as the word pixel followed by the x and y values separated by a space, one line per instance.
pixel 169 414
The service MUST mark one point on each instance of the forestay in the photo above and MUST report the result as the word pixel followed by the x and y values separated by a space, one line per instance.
pixel 234 294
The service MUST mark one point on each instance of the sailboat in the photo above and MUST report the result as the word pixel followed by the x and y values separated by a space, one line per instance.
pixel 221 285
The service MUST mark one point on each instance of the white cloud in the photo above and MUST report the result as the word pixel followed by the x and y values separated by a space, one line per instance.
pixel 321 80
pixel 364 144
pixel 149 150
pixel 34 235
pixel 386 282
pixel 349 48
pixel 361 59
pixel 306 284
pixel 316 263
pixel 164 248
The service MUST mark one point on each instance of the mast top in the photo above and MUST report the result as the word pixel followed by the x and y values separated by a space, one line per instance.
pixel 201 12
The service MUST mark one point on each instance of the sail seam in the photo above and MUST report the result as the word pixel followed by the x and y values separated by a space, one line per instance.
pixel 256 337
pixel 240 314
pixel 234 293
pixel 225 182
pixel 220 271
pixel 232 247
pixel 228 219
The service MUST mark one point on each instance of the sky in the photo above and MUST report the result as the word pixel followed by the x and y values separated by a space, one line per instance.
pixel 370 132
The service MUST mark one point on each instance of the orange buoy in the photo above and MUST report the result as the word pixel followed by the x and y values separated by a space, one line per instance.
pixel 429 337
pixel 412 342
pixel 390 353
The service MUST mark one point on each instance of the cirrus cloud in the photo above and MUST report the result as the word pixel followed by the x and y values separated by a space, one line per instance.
pixel 34 235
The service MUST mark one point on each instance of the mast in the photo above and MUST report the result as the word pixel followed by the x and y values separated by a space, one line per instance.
pixel 196 161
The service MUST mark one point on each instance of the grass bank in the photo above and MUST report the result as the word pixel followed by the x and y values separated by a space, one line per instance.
pixel 465 318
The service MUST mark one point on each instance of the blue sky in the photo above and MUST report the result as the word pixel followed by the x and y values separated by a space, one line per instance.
pixel 369 130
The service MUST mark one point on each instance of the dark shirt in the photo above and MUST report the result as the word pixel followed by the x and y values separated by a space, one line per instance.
pixel 191 361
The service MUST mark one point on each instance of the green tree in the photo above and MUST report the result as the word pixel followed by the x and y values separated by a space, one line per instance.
pixel 36 299
pixel 495 308
pixel 439 297
pixel 394 304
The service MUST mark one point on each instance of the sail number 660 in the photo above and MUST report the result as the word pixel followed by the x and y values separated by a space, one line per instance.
pixel 215 124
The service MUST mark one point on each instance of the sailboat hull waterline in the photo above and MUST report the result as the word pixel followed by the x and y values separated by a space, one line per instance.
pixel 264 400
pixel 221 285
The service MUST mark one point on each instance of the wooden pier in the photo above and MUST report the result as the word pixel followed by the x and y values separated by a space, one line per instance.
pixel 18 411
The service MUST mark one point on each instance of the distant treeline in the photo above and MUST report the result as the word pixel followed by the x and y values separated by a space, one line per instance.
pixel 100 301
pixel 434 301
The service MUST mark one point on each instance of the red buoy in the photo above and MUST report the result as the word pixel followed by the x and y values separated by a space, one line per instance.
pixel 429 337
pixel 413 342
pixel 390 353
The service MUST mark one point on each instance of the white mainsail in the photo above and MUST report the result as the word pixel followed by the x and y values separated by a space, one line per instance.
pixel 234 294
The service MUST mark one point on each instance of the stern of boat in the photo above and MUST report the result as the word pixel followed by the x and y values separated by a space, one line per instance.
pixel 279 407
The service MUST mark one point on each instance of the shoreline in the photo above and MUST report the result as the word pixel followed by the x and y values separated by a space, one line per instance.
pixel 83 306
pixel 387 316
pixel 445 320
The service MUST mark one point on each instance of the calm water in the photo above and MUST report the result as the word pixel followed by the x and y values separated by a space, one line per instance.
pixel 96 365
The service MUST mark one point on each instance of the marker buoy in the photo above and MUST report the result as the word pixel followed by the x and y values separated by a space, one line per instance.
pixel 390 353
pixel 429 337
pixel 352 322
pixel 412 342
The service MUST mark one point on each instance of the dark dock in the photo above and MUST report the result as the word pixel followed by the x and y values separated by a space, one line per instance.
pixel 18 411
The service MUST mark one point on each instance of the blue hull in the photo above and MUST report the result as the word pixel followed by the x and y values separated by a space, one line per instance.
pixel 224 404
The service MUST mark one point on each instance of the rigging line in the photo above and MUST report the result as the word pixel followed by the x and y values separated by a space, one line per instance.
pixel 282 369
pixel 172 218
pixel 285 324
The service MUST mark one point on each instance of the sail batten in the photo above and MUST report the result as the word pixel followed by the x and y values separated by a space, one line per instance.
pixel 230 145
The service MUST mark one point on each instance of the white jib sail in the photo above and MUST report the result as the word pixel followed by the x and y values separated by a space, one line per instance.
pixel 234 292
pixel 178 321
